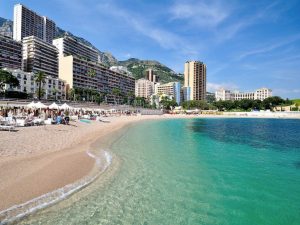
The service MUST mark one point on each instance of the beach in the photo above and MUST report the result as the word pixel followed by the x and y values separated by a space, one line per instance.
pixel 40 159
pixel 37 160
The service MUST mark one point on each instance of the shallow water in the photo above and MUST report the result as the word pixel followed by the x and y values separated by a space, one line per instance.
pixel 194 171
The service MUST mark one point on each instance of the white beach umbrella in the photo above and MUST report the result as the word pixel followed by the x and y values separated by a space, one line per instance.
pixel 31 105
pixel 53 106
pixel 65 106
pixel 40 105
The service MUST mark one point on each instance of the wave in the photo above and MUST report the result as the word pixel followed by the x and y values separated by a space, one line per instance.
pixel 17 212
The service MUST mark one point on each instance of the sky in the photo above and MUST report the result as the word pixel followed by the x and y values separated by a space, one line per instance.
pixel 246 45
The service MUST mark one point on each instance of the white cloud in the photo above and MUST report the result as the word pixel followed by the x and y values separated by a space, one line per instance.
pixel 202 13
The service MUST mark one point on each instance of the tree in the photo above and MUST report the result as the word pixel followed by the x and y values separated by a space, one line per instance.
pixel 40 78
pixel 54 92
pixel 167 103
pixel 7 78
pixel 116 92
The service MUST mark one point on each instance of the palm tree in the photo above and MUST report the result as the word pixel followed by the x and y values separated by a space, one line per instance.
pixel 40 78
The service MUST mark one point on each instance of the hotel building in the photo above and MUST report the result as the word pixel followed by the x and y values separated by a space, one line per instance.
pixel 195 78
pixel 259 94
pixel 171 89
pixel 39 56
pixel 54 88
pixel 10 53
pixel 223 94
pixel 69 46
pixel 28 23
pixel 81 73
pixel 144 88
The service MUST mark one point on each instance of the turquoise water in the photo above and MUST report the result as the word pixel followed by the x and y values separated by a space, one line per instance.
pixel 195 171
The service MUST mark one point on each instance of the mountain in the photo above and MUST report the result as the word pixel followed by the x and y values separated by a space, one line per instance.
pixel 138 68
pixel 2 20
pixel 105 57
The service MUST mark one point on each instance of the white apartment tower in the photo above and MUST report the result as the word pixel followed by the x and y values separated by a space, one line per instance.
pixel 195 79
pixel 144 88
pixel 29 23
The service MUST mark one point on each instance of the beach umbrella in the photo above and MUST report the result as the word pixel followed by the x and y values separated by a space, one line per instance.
pixel 53 106
pixel 40 105
pixel 31 105
pixel 65 106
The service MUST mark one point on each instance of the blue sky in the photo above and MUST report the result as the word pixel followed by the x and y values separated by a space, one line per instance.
pixel 245 44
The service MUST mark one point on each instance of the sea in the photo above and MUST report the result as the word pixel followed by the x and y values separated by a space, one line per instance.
pixel 239 171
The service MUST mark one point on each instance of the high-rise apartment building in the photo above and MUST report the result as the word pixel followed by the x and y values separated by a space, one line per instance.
pixel 70 46
pixel 195 78
pixel 171 89
pixel 81 73
pixel 39 55
pixel 144 88
pixel 29 23
pixel 10 53
pixel 151 76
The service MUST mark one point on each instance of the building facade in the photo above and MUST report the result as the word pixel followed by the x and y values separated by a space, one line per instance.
pixel 262 93
pixel 223 95
pixel 29 23
pixel 81 73
pixel 69 46
pixel 10 53
pixel 195 78
pixel 144 88
pixel 171 89
pixel 53 88
pixel 151 76
pixel 39 55
pixel 259 94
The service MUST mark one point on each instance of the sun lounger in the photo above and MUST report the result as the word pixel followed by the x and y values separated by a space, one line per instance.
pixel 7 127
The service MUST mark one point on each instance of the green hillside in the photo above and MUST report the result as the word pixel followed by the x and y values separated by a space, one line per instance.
pixel 296 101
pixel 138 69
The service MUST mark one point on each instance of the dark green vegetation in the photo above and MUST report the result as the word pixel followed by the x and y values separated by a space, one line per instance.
pixel 40 78
pixel 7 78
pixel 241 105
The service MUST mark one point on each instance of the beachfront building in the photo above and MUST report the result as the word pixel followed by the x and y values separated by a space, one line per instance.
pixel 53 87
pixel 39 55
pixel 259 94
pixel 85 74
pixel 262 93
pixel 195 79
pixel 10 53
pixel 171 89
pixel 144 88
pixel 69 46
pixel 151 76
pixel 29 23
pixel 223 95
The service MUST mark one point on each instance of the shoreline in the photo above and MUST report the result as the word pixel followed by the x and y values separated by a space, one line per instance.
pixel 30 174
